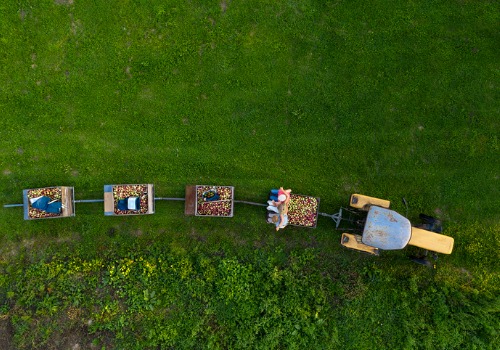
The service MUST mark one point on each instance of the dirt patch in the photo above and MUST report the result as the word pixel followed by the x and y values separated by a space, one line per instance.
pixel 236 239
pixel 137 233
pixel 127 71
pixel 76 26
pixel 6 172
pixel 350 187
pixel 8 251
pixel 28 243
pixel 23 14
pixel 146 94
pixel 75 237
pixel 78 338
pixel 64 2
pixel 111 232
pixel 196 236
pixel 441 214
pixel 353 287
pixel 259 244
pixel 6 333
pixel 67 337
pixel 223 6
pixel 311 242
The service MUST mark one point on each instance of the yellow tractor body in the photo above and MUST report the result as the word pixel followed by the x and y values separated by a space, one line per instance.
pixel 362 202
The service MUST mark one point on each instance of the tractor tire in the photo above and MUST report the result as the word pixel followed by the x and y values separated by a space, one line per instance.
pixel 422 261
pixel 426 219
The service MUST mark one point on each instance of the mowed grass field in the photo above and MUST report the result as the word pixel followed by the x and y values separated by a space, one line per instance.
pixel 385 98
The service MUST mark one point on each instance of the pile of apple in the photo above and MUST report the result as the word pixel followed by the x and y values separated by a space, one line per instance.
pixel 303 210
pixel 220 207
pixel 125 191
pixel 53 193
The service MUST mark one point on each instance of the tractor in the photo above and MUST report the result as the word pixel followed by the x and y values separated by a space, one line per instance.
pixel 369 226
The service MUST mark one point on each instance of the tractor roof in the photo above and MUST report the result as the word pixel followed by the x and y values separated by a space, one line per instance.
pixel 386 229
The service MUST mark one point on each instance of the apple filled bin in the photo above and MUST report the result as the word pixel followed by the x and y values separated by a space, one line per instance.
pixel 129 199
pixel 61 195
pixel 303 210
pixel 214 201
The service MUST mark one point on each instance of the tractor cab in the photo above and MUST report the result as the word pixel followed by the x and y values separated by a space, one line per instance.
pixel 385 229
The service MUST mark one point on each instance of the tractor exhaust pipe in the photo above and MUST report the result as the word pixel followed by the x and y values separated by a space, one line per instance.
pixel 405 204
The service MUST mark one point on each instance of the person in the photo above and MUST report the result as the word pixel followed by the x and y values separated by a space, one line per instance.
pixel 280 196
pixel 281 220
pixel 278 207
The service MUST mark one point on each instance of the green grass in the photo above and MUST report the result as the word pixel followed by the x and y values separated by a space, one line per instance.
pixel 387 98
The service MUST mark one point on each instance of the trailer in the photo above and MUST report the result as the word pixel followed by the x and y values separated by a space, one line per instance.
pixel 209 201
pixel 48 202
pixel 129 199
pixel 303 211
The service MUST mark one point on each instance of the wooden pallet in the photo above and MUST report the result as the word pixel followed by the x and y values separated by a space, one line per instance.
pixel 109 203
pixel 190 205
pixel 67 199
